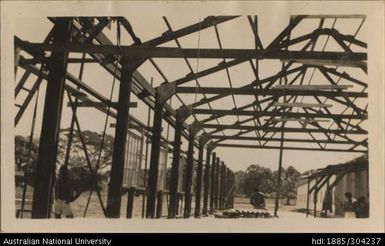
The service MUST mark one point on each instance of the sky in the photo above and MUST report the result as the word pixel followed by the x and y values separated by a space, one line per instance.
pixel 233 34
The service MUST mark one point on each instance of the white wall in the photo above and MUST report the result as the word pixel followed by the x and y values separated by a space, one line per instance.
pixel 302 194
pixel 355 182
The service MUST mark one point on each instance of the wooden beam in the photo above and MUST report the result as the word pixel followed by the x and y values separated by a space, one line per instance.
pixel 37 60
pixel 119 148
pixel 339 63
pixel 287 148
pixel 331 16
pixel 46 161
pixel 82 96
pixel 246 138
pixel 154 160
pixel 168 52
pixel 257 83
pixel 313 87
pixel 275 129
pixel 207 22
pixel 317 181
pixel 297 120
pixel 302 105
pixel 343 75
pixel 27 100
pixel 277 113
pixel 21 82
pixel 138 78
pixel 101 104
pixel 213 173
pixel 271 92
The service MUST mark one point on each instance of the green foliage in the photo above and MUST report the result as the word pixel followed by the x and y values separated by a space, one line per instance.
pixel 265 180
pixel 240 177
pixel 257 177
pixel 22 157
pixel 77 162
pixel 82 179
pixel 289 179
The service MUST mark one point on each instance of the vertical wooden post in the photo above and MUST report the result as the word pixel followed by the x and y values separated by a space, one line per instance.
pixel 198 190
pixel 222 185
pixel 212 183
pixel 176 205
pixel 233 193
pixel 130 202
pixel 315 196
pixel 163 93
pixel 327 191
pixel 181 202
pixel 175 171
pixel 118 155
pixel 46 161
pixel 278 190
pixel 189 175
pixel 181 115
pixel 307 197
pixel 227 188
pixel 159 204
pixel 206 182
pixel 154 160
pixel 217 178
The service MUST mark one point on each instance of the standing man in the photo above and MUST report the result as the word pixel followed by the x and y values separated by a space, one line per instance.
pixel 362 208
pixel 65 193
pixel 349 206
pixel 257 199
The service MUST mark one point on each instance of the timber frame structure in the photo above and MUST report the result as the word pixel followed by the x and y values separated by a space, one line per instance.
pixel 281 100
pixel 323 176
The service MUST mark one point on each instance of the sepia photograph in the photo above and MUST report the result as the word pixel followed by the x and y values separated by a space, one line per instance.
pixel 204 116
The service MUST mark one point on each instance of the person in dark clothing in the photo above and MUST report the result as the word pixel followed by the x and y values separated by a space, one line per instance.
pixel 362 208
pixel 257 199
pixel 349 206
pixel 65 193
pixel 327 203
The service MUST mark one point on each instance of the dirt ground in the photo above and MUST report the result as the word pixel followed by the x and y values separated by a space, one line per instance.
pixel 95 211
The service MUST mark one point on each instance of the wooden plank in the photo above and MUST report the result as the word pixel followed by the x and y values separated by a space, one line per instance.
pixel 339 63
pixel 313 87
pixel 21 82
pixel 297 120
pixel 247 90
pixel 246 138
pixel 302 105
pixel 206 23
pixel 86 104
pixel 46 161
pixel 118 156
pixel 287 148
pixel 276 129
pixel 276 113
pixel 169 52
pixel 332 16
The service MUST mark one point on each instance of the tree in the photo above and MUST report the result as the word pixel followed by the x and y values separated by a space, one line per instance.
pixel 240 177
pixel 289 179
pixel 257 177
pixel 22 157
pixel 77 162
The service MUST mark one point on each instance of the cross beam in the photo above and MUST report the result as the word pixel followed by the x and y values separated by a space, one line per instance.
pixel 171 35
pixel 277 113
pixel 275 129
pixel 247 138
pixel 168 52
pixel 286 148
pixel 271 92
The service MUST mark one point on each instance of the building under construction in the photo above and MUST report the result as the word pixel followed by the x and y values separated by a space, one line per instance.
pixel 314 99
